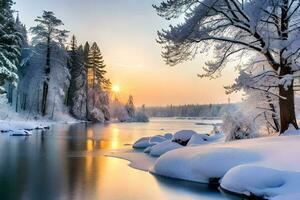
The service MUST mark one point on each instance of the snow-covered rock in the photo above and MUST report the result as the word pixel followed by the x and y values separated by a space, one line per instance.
pixel 197 139
pixel 168 136
pixel 148 149
pixel 96 115
pixel 142 143
pixel 287 197
pixel 182 137
pixel 161 148
pixel 20 133
pixel 261 181
pixel 268 167
pixel 200 164
pixel 157 139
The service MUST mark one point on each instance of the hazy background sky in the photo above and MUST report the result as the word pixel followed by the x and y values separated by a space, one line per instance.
pixel 126 31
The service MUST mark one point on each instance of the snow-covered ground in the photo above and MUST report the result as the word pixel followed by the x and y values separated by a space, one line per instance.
pixel 23 123
pixel 267 167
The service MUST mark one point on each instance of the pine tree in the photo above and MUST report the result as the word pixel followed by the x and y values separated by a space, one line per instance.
pixel 47 32
pixel 130 107
pixel 23 62
pixel 10 41
pixel 96 68
pixel 74 65
pixel 77 90
pixel 86 50
pixel 98 85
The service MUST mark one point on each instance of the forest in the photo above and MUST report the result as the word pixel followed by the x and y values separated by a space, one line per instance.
pixel 48 76
pixel 64 126
pixel 211 110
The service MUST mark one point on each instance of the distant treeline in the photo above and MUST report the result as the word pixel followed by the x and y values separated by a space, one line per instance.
pixel 210 110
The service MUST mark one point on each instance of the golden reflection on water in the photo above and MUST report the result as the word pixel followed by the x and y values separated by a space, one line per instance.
pixel 70 164
pixel 111 139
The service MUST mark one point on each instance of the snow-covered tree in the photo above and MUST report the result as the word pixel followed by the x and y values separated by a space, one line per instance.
pixel 130 107
pixel 98 84
pixel 47 32
pixel 118 111
pixel 141 116
pixel 267 29
pixel 96 68
pixel 78 84
pixel 32 81
pixel 260 101
pixel 25 56
pixel 238 125
pixel 10 46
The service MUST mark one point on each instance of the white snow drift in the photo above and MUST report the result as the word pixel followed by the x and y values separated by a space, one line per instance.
pixel 267 167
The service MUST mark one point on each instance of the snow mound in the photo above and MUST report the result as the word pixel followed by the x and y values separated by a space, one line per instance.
pixel 168 136
pixel 142 143
pixel 291 132
pixel 157 139
pixel 148 149
pixel 161 148
pixel 184 135
pixel 287 197
pixel 201 164
pixel 262 181
pixel 20 133
pixel 197 139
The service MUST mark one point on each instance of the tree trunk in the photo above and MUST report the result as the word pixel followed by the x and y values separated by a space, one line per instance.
pixel 47 79
pixel 274 116
pixel 287 108
pixel 17 102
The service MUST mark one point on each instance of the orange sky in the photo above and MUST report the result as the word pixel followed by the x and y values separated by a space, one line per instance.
pixel 126 31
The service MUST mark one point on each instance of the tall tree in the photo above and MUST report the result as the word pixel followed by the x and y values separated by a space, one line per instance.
pixel 266 29
pixel 74 65
pixel 96 68
pixel 10 45
pixel 47 32
pixel 130 107
pixel 86 50
pixel 77 90
pixel 23 61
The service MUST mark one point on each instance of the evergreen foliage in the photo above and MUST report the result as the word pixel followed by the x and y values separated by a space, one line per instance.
pixel 47 32
pixel 10 46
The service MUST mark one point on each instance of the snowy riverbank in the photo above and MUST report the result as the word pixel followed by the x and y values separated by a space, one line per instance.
pixel 266 167
pixel 22 123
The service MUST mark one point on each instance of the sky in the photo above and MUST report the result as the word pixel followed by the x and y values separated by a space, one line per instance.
pixel 126 31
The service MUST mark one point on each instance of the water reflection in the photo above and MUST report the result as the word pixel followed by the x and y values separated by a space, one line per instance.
pixel 67 162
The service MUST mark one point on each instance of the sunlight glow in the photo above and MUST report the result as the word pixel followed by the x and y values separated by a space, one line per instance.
pixel 116 88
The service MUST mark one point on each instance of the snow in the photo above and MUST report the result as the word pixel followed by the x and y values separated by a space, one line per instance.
pixel 137 159
pixel 184 135
pixel 200 164
pixel 23 123
pixel 20 133
pixel 161 148
pixel 148 149
pixel 142 143
pixel 168 136
pixel 157 139
pixel 198 139
pixel 263 167
pixel 286 81
pixel 287 197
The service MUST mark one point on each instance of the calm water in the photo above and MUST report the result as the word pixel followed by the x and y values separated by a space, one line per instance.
pixel 68 162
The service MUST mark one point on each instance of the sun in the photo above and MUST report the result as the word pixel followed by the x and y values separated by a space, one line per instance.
pixel 116 88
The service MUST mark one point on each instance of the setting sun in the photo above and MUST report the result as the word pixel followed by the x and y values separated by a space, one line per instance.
pixel 116 88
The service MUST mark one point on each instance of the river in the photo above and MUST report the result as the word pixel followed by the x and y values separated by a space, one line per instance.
pixel 68 162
